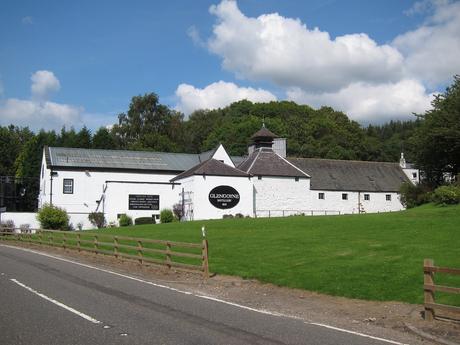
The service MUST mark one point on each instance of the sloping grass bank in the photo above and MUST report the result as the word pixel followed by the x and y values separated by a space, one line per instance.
pixel 371 256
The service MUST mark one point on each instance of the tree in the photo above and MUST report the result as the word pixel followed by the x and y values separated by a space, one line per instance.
pixel 149 125
pixel 103 139
pixel 437 141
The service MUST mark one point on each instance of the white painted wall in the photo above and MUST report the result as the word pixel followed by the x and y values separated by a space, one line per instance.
pixel 20 218
pixel 278 194
pixel 333 202
pixel 117 196
pixel 89 188
pixel 199 186
pixel 222 155
pixel 412 174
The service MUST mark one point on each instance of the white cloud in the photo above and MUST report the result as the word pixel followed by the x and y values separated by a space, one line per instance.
pixel 372 103
pixel 288 53
pixel 432 51
pixel 371 82
pixel 38 112
pixel 43 84
pixel 217 95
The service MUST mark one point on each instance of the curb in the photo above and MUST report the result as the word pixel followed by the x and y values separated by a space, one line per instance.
pixel 429 336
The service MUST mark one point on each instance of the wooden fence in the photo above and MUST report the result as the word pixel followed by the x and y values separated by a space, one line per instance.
pixel 429 287
pixel 191 256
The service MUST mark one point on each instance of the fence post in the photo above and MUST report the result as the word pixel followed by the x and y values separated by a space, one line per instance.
pixel 64 240
pixel 115 246
pixel 139 251
pixel 96 245
pixel 78 242
pixel 40 237
pixel 168 255
pixel 205 259
pixel 428 279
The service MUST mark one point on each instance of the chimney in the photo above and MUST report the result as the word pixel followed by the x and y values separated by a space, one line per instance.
pixel 402 161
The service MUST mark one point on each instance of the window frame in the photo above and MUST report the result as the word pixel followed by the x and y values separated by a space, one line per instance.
pixel 367 197
pixel 64 185
pixel 388 197
pixel 321 196
pixel 344 196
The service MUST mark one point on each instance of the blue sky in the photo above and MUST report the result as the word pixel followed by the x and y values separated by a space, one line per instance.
pixel 74 63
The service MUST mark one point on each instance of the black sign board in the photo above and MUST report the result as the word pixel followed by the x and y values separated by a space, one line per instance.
pixel 224 197
pixel 144 202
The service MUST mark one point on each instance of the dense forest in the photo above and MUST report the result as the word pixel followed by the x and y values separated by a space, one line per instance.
pixel 320 133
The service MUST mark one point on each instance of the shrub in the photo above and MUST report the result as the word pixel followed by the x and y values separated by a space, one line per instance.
pixel 178 212
pixel 166 216
pixel 144 220
pixel 225 216
pixel 25 228
pixel 7 226
pixel 53 217
pixel 446 195
pixel 239 215
pixel 125 220
pixel 97 219
pixel 414 195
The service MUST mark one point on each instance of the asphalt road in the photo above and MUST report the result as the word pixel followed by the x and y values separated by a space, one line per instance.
pixel 45 300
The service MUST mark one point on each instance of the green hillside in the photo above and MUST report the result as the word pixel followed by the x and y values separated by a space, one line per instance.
pixel 371 256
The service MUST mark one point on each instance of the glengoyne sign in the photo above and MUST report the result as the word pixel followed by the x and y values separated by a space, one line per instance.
pixel 144 202
pixel 224 197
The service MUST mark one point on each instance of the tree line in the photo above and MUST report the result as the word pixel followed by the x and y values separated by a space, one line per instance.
pixel 431 140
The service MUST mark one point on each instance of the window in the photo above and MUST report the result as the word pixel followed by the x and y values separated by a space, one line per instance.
pixel 296 179
pixel 367 197
pixel 321 196
pixel 388 197
pixel 414 175
pixel 344 196
pixel 259 177
pixel 68 186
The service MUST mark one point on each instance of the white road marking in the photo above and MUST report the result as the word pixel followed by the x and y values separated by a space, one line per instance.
pixel 356 333
pixel 261 311
pixel 62 305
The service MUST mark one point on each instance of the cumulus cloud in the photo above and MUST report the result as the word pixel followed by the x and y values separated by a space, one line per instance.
pixel 432 51
pixel 38 111
pixel 38 114
pixel 217 95
pixel 44 83
pixel 371 103
pixel 371 82
pixel 288 53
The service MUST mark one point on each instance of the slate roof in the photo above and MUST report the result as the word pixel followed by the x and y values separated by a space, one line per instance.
pixel 63 157
pixel 211 167
pixel 265 162
pixel 264 133
pixel 340 175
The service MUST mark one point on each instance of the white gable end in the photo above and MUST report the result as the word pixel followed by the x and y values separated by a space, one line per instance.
pixel 222 155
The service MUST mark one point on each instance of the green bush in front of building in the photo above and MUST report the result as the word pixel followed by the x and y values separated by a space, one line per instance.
pixel 446 195
pixel 144 220
pixel 53 218
pixel 125 220
pixel 166 216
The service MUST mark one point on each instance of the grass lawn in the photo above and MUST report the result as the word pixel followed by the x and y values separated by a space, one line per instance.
pixel 371 256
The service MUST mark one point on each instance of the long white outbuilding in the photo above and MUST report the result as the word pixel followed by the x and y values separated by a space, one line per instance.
pixel 213 184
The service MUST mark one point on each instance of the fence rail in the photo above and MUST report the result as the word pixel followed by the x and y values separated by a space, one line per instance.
pixel 429 288
pixel 185 255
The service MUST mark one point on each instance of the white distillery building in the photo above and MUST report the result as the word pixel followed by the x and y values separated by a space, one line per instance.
pixel 212 184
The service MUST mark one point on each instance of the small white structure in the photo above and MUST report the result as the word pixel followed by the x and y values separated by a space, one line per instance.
pixel 213 184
